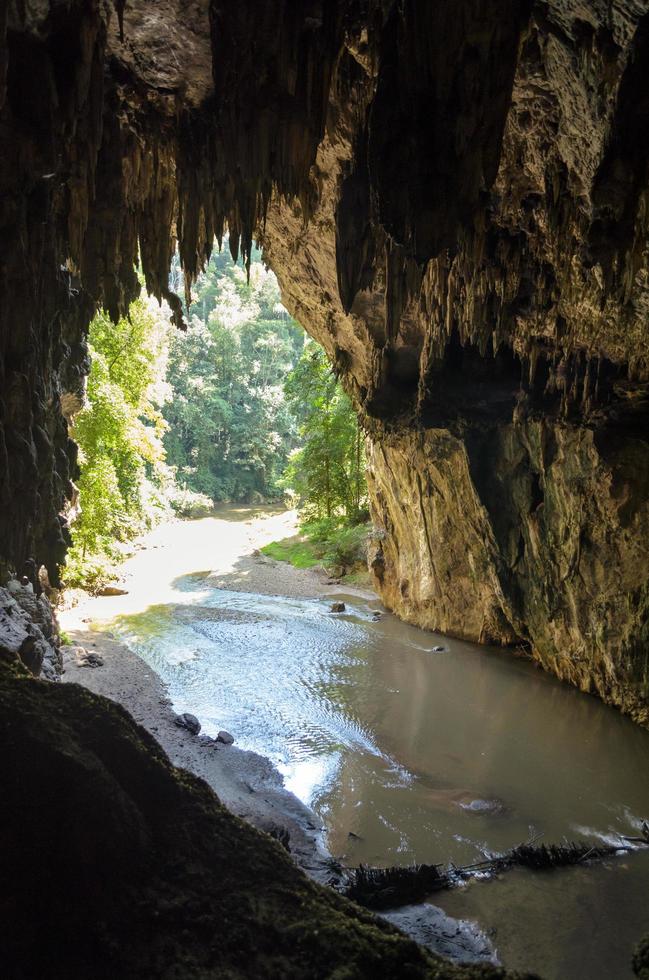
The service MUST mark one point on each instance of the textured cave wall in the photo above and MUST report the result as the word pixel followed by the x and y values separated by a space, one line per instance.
pixel 528 534
pixel 96 171
pixel 122 138
pixel 41 311
pixel 476 267
pixel 454 198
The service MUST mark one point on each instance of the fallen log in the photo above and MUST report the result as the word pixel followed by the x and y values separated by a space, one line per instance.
pixel 385 888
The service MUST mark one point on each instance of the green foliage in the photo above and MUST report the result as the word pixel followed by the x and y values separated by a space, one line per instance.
pixel 230 431
pixel 296 550
pixel 188 503
pixel 333 544
pixel 328 471
pixel 119 433
pixel 345 546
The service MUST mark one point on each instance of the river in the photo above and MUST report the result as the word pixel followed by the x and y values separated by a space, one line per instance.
pixel 407 753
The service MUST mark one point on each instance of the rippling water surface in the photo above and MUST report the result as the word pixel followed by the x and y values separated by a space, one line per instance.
pixel 415 755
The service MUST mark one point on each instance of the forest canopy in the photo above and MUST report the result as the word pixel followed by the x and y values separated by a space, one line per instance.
pixel 239 408
pixel 230 431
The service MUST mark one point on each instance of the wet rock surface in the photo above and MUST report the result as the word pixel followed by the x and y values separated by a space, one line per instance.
pixel 189 721
pixel 456 939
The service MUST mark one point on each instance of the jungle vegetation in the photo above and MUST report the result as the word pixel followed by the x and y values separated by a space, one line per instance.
pixel 241 407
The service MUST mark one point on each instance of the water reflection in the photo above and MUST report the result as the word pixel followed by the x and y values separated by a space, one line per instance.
pixel 410 755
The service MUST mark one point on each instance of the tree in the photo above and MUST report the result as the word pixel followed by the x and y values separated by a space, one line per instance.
pixel 328 471
pixel 230 432
pixel 119 433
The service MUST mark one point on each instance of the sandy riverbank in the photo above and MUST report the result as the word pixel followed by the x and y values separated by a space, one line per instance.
pixel 247 783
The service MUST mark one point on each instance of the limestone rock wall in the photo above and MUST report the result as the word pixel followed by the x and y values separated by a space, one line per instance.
pixel 528 535
pixel 454 196
pixel 495 339
pixel 27 631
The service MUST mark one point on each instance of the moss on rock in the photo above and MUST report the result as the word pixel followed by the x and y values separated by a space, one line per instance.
pixel 641 959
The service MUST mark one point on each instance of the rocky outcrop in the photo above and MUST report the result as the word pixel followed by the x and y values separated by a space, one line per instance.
pixel 454 197
pixel 27 631
pixel 121 865
pixel 510 535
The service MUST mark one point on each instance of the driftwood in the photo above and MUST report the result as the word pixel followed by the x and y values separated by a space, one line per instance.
pixel 384 888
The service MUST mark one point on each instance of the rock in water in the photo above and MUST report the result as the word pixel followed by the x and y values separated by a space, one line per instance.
pixel 459 939
pixel 337 607
pixel 225 737
pixel 484 806
pixel 189 721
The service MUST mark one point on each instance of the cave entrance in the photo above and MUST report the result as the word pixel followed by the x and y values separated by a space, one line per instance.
pixel 240 408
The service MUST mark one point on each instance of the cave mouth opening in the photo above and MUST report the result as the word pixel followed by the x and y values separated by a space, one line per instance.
pixel 239 408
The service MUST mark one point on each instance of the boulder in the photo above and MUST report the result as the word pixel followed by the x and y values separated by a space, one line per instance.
pixel 189 721
pixel 111 590
pixel 337 607
pixel 225 738
pixel 83 657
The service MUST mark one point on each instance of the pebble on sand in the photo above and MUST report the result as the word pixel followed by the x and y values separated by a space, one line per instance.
pixel 85 658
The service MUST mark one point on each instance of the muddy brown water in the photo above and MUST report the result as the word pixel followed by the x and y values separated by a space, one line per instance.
pixel 413 755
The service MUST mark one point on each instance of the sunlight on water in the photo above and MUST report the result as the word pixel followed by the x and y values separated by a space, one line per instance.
pixel 413 755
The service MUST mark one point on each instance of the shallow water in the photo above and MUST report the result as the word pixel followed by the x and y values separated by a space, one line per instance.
pixel 413 755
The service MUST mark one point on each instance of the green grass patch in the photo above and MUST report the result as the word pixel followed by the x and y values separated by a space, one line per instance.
pixel 297 550
pixel 360 579
pixel 328 543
